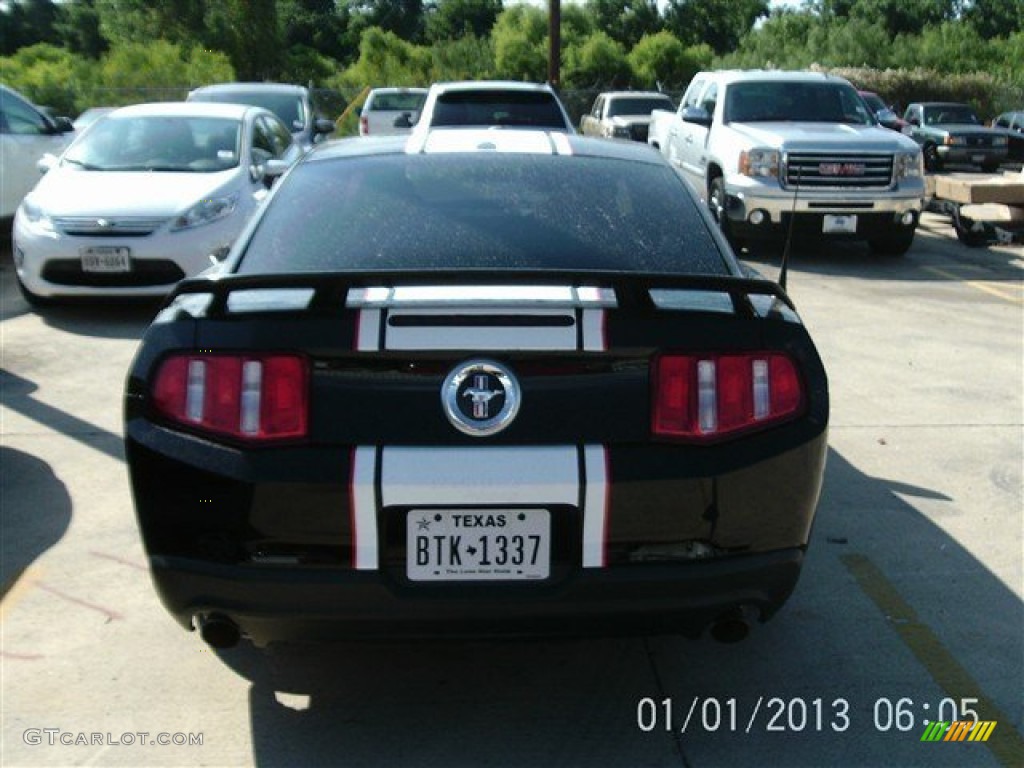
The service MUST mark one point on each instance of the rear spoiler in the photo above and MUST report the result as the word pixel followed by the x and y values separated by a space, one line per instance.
pixel 227 294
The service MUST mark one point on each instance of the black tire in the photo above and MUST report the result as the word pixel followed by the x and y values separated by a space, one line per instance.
pixel 932 161
pixel 717 206
pixel 896 243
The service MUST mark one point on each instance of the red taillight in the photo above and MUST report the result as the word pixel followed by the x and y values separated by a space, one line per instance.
pixel 250 397
pixel 711 396
pixel 365 124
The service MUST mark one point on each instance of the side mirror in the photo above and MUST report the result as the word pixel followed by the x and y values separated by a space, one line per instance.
pixel 273 169
pixel 697 116
pixel 323 125
pixel 63 124
pixel 46 163
pixel 914 120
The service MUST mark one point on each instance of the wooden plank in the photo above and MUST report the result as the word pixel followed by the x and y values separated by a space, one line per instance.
pixel 980 188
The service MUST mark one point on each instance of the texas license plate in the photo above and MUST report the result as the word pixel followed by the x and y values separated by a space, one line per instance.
pixel 838 224
pixel 977 158
pixel 106 259
pixel 478 544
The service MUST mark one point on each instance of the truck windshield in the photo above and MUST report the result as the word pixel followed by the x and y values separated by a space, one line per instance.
pixel 813 102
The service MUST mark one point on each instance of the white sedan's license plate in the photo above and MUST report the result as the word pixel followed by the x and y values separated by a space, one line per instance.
pixel 478 544
pixel 837 224
pixel 106 259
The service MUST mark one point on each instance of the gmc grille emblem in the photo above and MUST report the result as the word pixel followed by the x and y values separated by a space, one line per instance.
pixel 841 169
pixel 480 397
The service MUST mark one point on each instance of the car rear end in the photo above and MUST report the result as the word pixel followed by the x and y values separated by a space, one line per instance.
pixel 483 447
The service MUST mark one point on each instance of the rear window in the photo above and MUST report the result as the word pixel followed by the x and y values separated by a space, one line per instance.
pixel 287 106
pixel 397 102
pixel 495 107
pixel 637 106
pixel 494 211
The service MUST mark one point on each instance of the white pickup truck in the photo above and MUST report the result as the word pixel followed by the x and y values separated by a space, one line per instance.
pixel 764 148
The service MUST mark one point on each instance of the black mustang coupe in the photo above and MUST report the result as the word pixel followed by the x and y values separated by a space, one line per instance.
pixel 476 383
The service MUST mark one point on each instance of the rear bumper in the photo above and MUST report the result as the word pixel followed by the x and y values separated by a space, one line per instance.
pixel 271 604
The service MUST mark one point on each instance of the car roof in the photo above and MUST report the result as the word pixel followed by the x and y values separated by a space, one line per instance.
pixel 186 109
pixel 249 87
pixel 637 94
pixel 729 76
pixel 943 104
pixel 491 85
pixel 487 140
pixel 399 89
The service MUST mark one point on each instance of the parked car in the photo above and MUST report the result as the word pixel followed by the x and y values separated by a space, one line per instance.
pixel 90 116
pixel 26 134
pixel 391 110
pixel 885 115
pixel 773 152
pixel 386 414
pixel 623 114
pixel 509 104
pixel 293 104
pixel 1011 124
pixel 145 198
pixel 950 132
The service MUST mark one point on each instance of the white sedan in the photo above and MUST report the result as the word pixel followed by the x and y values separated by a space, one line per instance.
pixel 150 195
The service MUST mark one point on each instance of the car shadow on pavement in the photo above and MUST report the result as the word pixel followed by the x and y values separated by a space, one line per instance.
pixel 575 702
pixel 35 513
pixel 941 259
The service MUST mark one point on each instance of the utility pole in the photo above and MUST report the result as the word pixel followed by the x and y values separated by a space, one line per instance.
pixel 554 41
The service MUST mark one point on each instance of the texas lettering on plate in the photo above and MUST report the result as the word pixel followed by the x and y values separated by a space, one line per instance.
pixel 478 545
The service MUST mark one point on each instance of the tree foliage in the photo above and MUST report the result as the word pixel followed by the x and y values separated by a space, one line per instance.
pixel 661 61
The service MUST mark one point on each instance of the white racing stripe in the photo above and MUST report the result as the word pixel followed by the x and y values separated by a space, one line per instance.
pixel 368 330
pixel 595 506
pixel 484 475
pixel 363 503
pixel 593 330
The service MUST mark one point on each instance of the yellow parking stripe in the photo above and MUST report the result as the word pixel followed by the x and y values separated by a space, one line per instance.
pixel 986 286
pixel 1006 742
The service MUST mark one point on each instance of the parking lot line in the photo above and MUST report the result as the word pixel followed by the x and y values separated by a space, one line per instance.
pixel 1006 742
pixel 1001 291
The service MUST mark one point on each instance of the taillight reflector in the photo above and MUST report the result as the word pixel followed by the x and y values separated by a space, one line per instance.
pixel 250 397
pixel 711 396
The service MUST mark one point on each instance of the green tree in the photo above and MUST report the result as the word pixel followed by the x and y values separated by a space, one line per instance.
pixel 467 58
pixel 598 62
pixel 248 31
pixel 403 17
pixel 79 29
pixel 46 74
pixel 453 19
pixel 316 25
pixel 995 18
pixel 386 59
pixel 520 43
pixel 133 21
pixel 625 20
pixel 27 22
pixel 951 47
pixel 718 23
pixel 662 61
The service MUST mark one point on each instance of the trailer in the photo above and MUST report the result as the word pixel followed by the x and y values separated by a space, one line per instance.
pixel 985 209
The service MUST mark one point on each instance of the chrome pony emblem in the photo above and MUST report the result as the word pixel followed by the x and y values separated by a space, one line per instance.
pixel 480 397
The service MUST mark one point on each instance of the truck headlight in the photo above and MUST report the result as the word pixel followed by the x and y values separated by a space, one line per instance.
pixel 908 165
pixel 759 163
pixel 954 141
pixel 999 141
pixel 206 211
